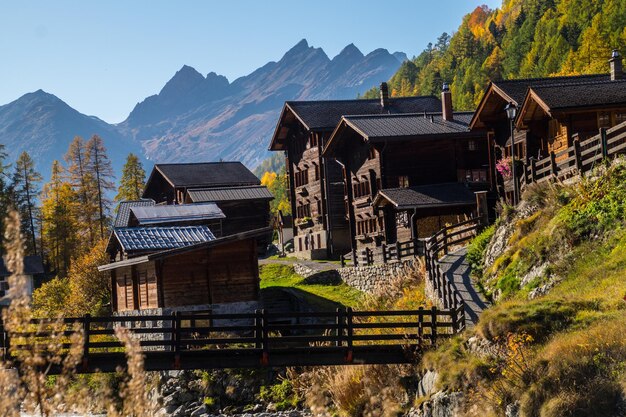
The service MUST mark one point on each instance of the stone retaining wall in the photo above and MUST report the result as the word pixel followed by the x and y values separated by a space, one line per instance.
pixel 364 278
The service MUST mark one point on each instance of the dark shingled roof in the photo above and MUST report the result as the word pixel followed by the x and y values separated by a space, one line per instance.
pixel 589 94
pixel 123 210
pixel 33 265
pixel 161 238
pixel 403 125
pixel 207 174
pixel 427 196
pixel 324 115
pixel 177 213
pixel 259 192
pixel 516 89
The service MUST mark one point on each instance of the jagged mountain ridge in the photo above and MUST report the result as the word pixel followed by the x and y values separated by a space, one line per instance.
pixel 44 125
pixel 195 118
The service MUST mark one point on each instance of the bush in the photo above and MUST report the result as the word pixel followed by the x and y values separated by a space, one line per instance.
pixel 282 395
pixel 476 250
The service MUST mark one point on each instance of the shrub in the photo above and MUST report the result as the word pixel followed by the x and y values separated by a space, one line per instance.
pixel 281 394
pixel 476 250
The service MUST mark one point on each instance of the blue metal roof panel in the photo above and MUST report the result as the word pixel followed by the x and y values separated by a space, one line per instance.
pixel 160 238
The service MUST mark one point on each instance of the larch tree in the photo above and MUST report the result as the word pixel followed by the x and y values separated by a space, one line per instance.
pixel 24 191
pixel 133 179
pixel 59 212
pixel 83 185
pixel 100 170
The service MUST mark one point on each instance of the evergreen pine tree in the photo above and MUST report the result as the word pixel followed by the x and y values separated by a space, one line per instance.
pixel 4 191
pixel 133 180
pixel 24 192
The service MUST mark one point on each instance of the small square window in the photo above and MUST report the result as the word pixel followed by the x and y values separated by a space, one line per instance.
pixel 471 145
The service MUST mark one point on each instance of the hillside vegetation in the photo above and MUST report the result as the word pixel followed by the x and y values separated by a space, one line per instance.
pixel 521 39
pixel 556 266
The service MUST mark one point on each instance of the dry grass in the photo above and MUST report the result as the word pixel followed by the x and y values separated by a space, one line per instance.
pixel 28 382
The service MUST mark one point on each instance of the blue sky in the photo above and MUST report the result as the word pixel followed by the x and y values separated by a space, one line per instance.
pixel 102 57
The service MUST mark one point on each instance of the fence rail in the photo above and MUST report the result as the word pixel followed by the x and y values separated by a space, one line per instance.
pixel 441 243
pixel 387 253
pixel 262 338
pixel 578 158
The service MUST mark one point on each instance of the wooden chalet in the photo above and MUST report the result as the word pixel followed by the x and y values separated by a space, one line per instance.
pixel 184 269
pixel 552 112
pixel 316 190
pixel 408 174
pixel 33 270
pixel 236 191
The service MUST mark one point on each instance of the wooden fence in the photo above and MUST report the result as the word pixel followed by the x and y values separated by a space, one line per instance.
pixel 579 158
pixel 193 341
pixel 440 244
pixel 387 253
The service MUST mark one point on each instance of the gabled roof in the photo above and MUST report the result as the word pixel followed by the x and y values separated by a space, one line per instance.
pixel 160 238
pixel 172 252
pixel 505 91
pixel 205 174
pixel 33 265
pixel 123 210
pixel 258 192
pixel 176 213
pixel 579 95
pixel 400 127
pixel 426 196
pixel 323 116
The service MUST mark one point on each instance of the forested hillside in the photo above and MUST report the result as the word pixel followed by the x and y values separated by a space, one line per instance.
pixel 522 39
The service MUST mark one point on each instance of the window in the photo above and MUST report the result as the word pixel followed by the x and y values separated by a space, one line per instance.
pixel 471 145
pixel 604 119
pixel 313 140
pixel 319 207
pixel 301 177
pixel 317 172
pixel 303 211
pixel 361 189
pixel 403 181
pixel 620 117
pixel 371 154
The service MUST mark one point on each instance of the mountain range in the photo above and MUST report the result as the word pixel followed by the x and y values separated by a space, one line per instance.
pixel 196 118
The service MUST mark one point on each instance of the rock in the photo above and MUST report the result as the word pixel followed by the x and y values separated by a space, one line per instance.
pixel 440 404
pixel 199 411
pixel 171 399
pixel 426 386
pixel 512 410
pixel 179 412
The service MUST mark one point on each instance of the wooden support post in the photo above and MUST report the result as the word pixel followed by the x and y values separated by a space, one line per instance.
pixel 603 144
pixel 258 329
pixel 86 330
pixel 420 325
pixel 384 248
pixel 265 358
pixel 398 255
pixel 339 327
pixel 445 241
pixel 577 156
pixel 455 320
pixel 176 339
pixel 533 169
pixel 444 294
pixel 553 165
pixel 462 310
pixel 342 258
pixel 350 334
pixel 415 243
pixel 433 318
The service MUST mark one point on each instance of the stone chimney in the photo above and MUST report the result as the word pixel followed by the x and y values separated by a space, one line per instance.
pixel 617 73
pixel 384 95
pixel 446 103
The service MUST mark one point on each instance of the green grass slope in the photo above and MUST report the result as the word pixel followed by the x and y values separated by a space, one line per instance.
pixel 558 327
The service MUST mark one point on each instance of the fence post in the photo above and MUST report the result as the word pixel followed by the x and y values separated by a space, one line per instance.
pixel 553 165
pixel 258 329
pixel 603 144
pixel 86 328
pixel 384 247
pixel 265 358
pixel 445 241
pixel 398 256
pixel 339 327
pixel 455 320
pixel 176 338
pixel 415 248
pixel 577 156
pixel 342 258
pixel 444 293
pixel 420 324
pixel 533 168
pixel 433 318
pixel 350 333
